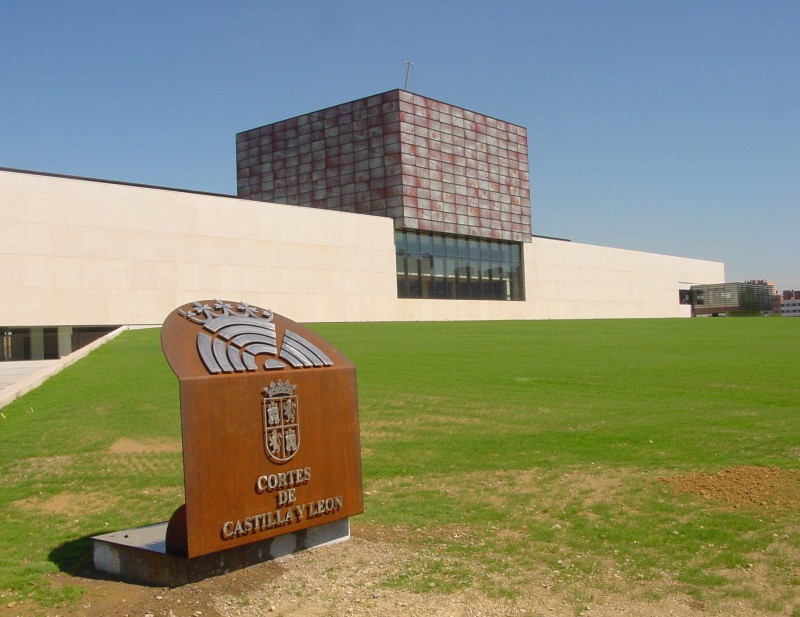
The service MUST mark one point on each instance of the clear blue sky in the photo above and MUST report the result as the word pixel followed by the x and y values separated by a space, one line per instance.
pixel 671 127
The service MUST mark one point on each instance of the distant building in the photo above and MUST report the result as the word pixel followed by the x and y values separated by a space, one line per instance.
pixel 728 298
pixel 773 288
pixel 790 307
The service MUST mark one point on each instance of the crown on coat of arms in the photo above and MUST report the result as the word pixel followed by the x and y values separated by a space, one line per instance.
pixel 279 387
pixel 200 313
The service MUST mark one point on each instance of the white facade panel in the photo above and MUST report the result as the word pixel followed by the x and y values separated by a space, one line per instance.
pixel 790 308
pixel 82 252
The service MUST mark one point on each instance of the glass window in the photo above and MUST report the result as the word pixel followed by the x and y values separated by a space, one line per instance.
pixel 515 280
pixel 462 267
pixel 475 282
pixel 439 249
pixel 453 267
pixel 402 286
pixel 412 243
pixel 450 246
pixel 426 244
pixel 414 287
pixel 400 245
pixel 450 267
pixel 439 280
pixel 425 280
pixel 463 247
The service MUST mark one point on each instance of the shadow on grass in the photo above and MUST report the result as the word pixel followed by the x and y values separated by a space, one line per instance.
pixel 75 557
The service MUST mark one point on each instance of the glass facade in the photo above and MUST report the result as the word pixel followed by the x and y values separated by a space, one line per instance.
pixel 457 268
pixel 730 297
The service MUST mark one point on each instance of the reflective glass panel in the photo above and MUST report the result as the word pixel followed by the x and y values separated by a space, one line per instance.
pixel 453 267
pixel 412 243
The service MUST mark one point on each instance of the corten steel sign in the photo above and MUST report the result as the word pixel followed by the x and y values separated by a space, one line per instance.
pixel 269 415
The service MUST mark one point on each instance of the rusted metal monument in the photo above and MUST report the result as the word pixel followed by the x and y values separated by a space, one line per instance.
pixel 271 447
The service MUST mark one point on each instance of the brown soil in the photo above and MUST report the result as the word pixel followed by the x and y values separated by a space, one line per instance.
pixel 69 504
pixel 343 579
pixel 354 577
pixel 744 486
pixel 129 446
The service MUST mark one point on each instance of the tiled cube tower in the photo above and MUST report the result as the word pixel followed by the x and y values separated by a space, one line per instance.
pixel 426 164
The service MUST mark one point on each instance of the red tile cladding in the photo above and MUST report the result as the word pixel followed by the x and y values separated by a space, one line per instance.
pixel 396 154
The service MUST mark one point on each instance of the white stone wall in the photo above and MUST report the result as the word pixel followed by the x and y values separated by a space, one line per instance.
pixel 79 252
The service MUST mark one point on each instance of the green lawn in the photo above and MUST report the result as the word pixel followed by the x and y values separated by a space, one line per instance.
pixel 511 447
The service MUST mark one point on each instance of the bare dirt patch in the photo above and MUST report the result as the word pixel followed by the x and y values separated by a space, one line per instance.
pixel 53 466
pixel 355 578
pixel 130 446
pixel 398 571
pixel 746 486
pixel 358 578
pixel 68 504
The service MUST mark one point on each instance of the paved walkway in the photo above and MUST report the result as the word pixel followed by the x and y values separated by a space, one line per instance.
pixel 17 378
pixel 13 372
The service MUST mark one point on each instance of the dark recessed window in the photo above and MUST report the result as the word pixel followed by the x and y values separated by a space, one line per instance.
pixel 456 268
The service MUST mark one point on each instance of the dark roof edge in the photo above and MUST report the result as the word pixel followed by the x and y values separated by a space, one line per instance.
pixel 551 238
pixel 118 182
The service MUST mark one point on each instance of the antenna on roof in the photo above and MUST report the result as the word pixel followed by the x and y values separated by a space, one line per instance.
pixel 409 66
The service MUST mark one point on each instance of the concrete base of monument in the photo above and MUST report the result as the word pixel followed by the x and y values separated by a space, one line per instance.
pixel 138 555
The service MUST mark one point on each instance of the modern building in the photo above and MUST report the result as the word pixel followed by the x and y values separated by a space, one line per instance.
pixel 788 303
pixel 454 182
pixel 729 298
pixel 790 307
pixel 391 208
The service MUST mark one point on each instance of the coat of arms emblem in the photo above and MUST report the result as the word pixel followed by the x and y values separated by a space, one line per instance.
pixel 281 421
